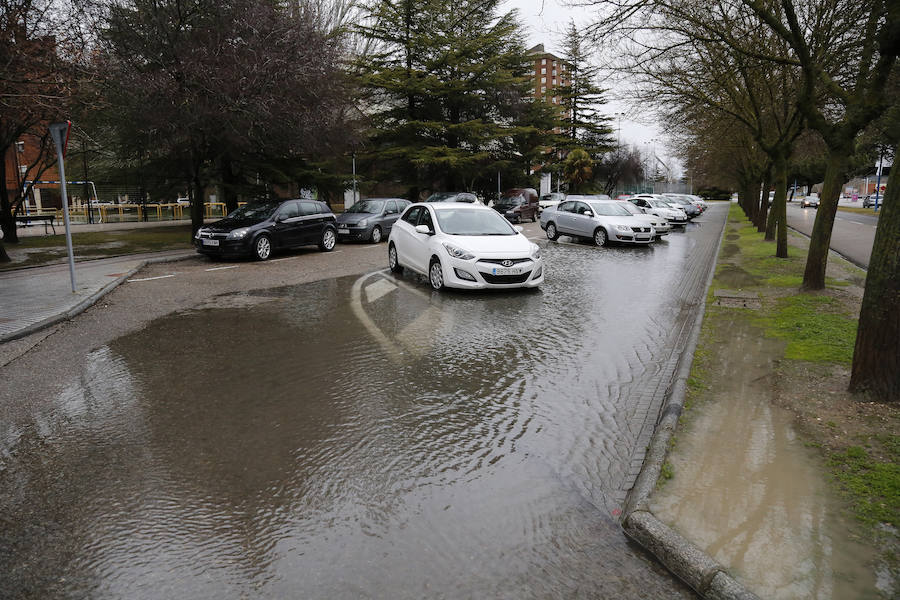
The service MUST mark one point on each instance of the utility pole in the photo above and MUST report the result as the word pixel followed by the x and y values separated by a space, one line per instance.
pixel 60 134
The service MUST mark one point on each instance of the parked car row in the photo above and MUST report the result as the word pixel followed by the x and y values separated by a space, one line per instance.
pixel 455 241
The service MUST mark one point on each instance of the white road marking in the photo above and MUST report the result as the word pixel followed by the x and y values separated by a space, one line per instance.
pixel 150 278
pixel 535 239
pixel 380 288
pixel 222 268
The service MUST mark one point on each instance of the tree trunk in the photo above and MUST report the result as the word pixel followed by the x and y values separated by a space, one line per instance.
pixel 7 222
pixel 763 200
pixel 820 241
pixel 779 207
pixel 876 356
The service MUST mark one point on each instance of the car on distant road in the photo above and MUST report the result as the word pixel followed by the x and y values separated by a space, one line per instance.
pixel 601 221
pixel 810 201
pixel 370 220
pixel 518 204
pixel 869 201
pixel 463 245
pixel 260 228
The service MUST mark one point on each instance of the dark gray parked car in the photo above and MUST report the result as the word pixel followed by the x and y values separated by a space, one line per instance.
pixel 370 220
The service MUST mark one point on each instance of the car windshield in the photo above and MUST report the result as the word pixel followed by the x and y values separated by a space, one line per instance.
pixel 608 209
pixel 372 207
pixel 511 200
pixel 631 208
pixel 254 211
pixel 464 221
pixel 658 204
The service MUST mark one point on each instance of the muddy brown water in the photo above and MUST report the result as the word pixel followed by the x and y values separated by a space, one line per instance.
pixel 356 437
pixel 750 493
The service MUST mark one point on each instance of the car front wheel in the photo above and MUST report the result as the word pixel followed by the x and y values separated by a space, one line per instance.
pixel 600 237
pixel 552 233
pixel 376 234
pixel 436 275
pixel 262 248
pixel 328 240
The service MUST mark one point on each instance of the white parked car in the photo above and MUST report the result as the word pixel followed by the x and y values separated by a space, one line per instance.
pixel 599 220
pixel 660 224
pixel 651 205
pixel 551 199
pixel 463 245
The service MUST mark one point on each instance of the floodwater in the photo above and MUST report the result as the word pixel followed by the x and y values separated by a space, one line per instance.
pixel 359 437
pixel 748 492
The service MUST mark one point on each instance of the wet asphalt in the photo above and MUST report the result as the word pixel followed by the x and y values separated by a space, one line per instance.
pixel 316 427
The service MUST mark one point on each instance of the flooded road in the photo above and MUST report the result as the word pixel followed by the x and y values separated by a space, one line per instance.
pixel 360 437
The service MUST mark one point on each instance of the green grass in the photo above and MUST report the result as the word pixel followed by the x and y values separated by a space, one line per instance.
pixel 49 249
pixel 815 328
pixel 874 484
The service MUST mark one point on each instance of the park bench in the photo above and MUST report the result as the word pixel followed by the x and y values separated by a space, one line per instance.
pixel 45 218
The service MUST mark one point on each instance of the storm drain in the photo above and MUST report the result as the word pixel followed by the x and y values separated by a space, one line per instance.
pixel 737 299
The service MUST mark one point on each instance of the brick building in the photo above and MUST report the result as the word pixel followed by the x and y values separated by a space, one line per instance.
pixel 550 74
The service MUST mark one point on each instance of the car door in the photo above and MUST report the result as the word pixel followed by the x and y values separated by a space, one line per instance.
pixel 287 229
pixel 419 242
pixel 404 233
pixel 564 221
pixel 582 220
pixel 312 221
pixel 391 214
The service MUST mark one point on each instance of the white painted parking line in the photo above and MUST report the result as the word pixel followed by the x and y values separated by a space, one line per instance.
pixel 222 268
pixel 535 239
pixel 380 288
pixel 150 278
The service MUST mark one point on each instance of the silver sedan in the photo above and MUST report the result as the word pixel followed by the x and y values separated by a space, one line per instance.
pixel 600 221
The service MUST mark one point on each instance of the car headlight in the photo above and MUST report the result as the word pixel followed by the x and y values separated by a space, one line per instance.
pixel 237 234
pixel 458 252
pixel 197 235
pixel 363 223
pixel 535 251
pixel 623 228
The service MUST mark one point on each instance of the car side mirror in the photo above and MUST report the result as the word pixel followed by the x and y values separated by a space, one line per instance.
pixel 588 213
pixel 519 228
pixel 423 229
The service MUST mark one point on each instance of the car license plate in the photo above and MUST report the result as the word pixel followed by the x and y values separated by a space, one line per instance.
pixel 207 242
pixel 507 271
pixel 343 230
pixel 643 237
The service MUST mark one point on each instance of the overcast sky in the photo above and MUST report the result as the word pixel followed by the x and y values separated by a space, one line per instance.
pixel 545 20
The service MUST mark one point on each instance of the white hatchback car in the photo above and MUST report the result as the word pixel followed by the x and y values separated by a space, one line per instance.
pixel 463 245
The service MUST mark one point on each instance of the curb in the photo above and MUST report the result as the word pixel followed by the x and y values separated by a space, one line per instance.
pixel 89 301
pixel 678 554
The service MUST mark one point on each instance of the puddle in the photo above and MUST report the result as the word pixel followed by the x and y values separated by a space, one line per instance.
pixel 736 277
pixel 752 495
pixel 729 250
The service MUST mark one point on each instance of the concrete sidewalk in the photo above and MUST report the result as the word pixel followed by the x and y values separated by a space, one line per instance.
pixel 37 297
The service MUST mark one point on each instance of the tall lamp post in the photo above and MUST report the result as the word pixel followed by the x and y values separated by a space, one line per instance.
pixel 60 134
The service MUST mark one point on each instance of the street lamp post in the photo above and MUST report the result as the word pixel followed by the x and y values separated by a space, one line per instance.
pixel 60 134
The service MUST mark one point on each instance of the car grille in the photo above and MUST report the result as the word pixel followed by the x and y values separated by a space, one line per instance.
pixel 213 236
pixel 641 229
pixel 506 278
pixel 499 261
